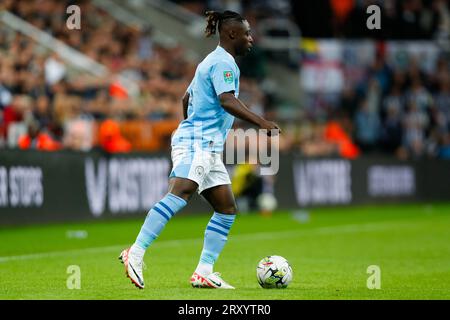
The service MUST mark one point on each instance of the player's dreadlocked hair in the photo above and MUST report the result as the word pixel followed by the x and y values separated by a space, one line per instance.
pixel 215 20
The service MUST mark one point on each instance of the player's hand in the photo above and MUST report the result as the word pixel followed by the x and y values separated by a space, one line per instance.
pixel 271 127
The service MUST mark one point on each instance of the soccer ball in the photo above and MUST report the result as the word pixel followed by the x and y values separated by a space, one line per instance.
pixel 274 272
pixel 267 202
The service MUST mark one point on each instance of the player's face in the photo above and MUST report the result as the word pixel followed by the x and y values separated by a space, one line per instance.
pixel 244 40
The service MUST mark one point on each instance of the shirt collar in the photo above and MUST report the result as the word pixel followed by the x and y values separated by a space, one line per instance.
pixel 226 52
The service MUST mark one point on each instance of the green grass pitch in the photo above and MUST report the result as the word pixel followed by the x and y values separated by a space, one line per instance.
pixel 329 253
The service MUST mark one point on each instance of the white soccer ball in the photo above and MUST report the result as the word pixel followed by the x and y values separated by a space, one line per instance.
pixel 267 202
pixel 274 272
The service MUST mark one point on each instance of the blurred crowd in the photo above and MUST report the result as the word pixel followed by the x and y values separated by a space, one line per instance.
pixel 39 97
pixel 45 104
pixel 404 112
pixel 401 19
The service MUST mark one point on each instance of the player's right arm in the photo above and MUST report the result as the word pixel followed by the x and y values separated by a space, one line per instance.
pixel 185 102
pixel 237 108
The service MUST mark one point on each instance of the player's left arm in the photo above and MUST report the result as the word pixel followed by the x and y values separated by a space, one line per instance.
pixel 223 80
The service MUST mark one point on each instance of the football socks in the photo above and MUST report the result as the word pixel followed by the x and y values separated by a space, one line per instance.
pixel 157 218
pixel 216 235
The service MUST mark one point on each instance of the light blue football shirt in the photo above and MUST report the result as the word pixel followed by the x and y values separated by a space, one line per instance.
pixel 207 124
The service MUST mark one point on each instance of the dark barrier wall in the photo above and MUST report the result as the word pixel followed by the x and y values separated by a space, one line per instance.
pixel 319 182
pixel 69 186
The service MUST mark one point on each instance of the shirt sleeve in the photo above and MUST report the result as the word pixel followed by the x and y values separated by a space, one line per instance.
pixel 223 78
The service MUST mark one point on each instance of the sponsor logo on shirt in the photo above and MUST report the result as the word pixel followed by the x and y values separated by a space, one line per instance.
pixel 228 76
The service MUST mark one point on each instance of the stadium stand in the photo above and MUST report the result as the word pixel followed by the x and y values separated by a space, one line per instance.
pixel 402 110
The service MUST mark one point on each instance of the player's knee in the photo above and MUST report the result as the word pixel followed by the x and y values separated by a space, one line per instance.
pixel 185 194
pixel 229 209
pixel 182 188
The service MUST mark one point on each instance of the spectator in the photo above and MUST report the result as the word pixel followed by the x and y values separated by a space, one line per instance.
pixel 419 95
pixel 415 122
pixel 394 100
pixel 5 96
pixel 42 113
pixel 314 141
pixel 444 149
pixel 78 135
pixel 145 50
pixel 37 139
pixel 334 133
pixel 367 126
pixel 111 140
pixel 391 133
pixel 442 100
pixel 17 111
pixel 55 70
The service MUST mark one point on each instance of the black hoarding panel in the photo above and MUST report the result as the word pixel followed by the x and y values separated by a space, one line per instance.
pixel 71 186
pixel 319 182
pixel 386 180
pixel 39 187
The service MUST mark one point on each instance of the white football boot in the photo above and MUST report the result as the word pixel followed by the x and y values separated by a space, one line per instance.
pixel 133 267
pixel 214 280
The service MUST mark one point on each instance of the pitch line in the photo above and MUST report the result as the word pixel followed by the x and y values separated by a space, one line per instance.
pixel 341 229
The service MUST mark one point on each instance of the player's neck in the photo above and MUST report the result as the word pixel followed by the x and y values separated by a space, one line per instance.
pixel 228 48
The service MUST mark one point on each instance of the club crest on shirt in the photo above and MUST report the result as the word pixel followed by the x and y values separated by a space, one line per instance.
pixel 228 76
pixel 199 171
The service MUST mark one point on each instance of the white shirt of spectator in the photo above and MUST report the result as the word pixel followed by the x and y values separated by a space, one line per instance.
pixel 54 71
